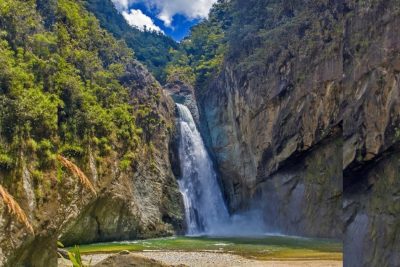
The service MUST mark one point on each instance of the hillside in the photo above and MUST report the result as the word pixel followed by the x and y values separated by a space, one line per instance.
pixel 151 48
pixel 298 99
pixel 83 127
pixel 288 122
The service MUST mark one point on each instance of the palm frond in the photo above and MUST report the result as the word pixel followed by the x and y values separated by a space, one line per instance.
pixel 77 172
pixel 15 209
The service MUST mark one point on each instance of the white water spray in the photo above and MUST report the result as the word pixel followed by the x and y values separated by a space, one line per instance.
pixel 205 209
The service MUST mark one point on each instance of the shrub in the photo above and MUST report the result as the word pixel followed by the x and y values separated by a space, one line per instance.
pixel 73 151
pixel 45 153
pixel 6 162
pixel 127 161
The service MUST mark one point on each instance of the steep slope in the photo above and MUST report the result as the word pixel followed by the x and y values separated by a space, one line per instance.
pixel 305 98
pixel 84 134
pixel 151 48
pixel 371 134
pixel 273 124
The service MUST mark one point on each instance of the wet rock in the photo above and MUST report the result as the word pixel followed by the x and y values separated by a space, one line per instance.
pixel 372 215
pixel 371 118
pixel 183 93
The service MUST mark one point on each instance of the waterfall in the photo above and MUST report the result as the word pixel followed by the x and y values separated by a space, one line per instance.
pixel 205 208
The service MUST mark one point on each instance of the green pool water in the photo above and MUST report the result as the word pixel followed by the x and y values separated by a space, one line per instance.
pixel 262 248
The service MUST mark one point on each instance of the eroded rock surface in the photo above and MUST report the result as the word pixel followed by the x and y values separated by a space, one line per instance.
pixel 280 113
pixel 267 121
pixel 371 121
pixel 140 200
pixel 143 201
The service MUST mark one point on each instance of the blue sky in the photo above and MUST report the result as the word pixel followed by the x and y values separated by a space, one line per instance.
pixel 172 17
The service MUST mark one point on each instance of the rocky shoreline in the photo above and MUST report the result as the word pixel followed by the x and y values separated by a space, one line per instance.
pixel 193 259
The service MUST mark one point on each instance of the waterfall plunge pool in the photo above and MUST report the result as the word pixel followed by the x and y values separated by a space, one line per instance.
pixel 210 227
pixel 268 248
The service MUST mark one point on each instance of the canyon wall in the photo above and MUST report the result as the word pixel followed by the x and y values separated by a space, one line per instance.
pixel 371 120
pixel 85 134
pixel 309 101
pixel 141 200
pixel 274 122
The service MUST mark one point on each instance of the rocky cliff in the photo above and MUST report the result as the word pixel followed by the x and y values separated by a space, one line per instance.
pixel 84 136
pixel 273 119
pixel 307 98
pixel 371 119
pixel 138 201
pixel 143 200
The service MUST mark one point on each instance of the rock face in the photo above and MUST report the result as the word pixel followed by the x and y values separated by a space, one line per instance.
pixel 371 135
pixel 273 127
pixel 143 201
pixel 183 93
pixel 136 201
pixel 371 209
pixel 290 117
pixel 305 197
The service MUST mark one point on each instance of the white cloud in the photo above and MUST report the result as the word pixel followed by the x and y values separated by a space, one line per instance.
pixel 167 9
pixel 191 9
pixel 123 5
pixel 136 18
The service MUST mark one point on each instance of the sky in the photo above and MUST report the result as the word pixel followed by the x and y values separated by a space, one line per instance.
pixel 171 17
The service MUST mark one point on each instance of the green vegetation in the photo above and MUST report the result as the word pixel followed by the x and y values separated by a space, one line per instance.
pixel 151 48
pixel 74 256
pixel 65 86
pixel 252 35
pixel 266 35
pixel 201 54
pixel 263 248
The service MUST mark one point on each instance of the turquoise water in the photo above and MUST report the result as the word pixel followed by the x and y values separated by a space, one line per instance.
pixel 263 248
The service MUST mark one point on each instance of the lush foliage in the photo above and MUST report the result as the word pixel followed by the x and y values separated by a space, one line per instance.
pixel 202 53
pixel 251 34
pixel 269 33
pixel 60 84
pixel 150 47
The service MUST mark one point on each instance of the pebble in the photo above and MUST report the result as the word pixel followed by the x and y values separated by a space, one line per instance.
pixel 208 259
pixel 213 259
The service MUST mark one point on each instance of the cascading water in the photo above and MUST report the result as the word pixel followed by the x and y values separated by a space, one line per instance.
pixel 205 208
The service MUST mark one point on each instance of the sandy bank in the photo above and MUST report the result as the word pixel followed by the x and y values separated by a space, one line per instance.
pixel 208 259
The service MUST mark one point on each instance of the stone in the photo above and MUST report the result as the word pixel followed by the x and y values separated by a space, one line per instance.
pixel 141 201
pixel 124 252
pixel 276 132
